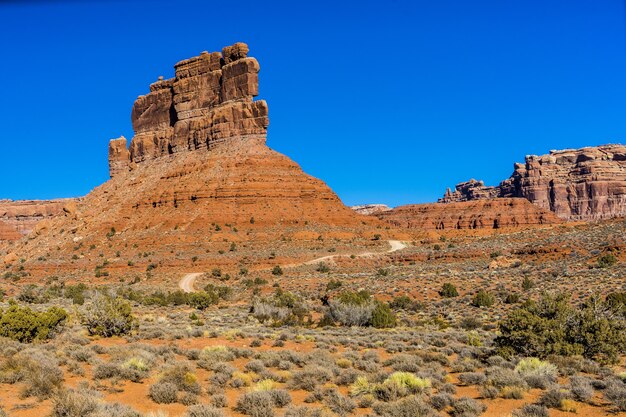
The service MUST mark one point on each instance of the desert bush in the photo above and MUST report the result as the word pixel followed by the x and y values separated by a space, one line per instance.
pixel 256 404
pixel 25 325
pixel 303 412
pixel 552 326
pixel 310 377
pixel 361 386
pixel 467 407
pixel 553 398
pixel 503 377
pixel 581 388
pixel 409 382
pixel 219 401
pixel 181 375
pixel 448 290
pixel 537 373
pixel 483 299
pixel 283 308
pixel 338 403
pixel 76 293
pixel 202 410
pixel 163 392
pixel 107 316
pixel 615 392
pixel 607 260
pixel 411 406
pixel 382 316
pixel 74 403
pixel 531 410
pixel 202 300
pixel 441 401
pixel 40 374
pixel 360 309
pixel 211 356
pixel 472 378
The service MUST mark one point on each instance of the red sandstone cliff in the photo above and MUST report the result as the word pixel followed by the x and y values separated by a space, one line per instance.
pixel 500 213
pixel 575 184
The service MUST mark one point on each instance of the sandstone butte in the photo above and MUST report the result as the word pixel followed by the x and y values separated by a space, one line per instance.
pixel 198 163
pixel 575 184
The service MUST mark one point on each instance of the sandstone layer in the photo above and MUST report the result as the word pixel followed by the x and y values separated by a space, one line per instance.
pixel 18 218
pixel 369 209
pixel 498 213
pixel 575 184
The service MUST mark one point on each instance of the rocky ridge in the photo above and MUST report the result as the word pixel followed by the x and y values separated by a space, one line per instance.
pixel 576 184
pixel 500 213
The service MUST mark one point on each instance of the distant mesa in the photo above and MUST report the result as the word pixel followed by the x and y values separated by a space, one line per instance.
pixel 576 184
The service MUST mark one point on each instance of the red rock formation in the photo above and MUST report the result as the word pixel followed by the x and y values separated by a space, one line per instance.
pixel 496 213
pixel 174 190
pixel 369 209
pixel 18 218
pixel 208 102
pixel 579 184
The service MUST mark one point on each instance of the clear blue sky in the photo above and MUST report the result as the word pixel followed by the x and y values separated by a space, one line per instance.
pixel 389 101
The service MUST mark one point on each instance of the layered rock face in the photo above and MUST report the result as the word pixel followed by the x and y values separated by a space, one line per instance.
pixel 18 218
pixel 499 213
pixel 369 209
pixel 580 184
pixel 208 102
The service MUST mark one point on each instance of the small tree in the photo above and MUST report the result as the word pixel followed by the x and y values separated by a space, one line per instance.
pixel 448 291
pixel 483 299
pixel 25 325
pixel 107 316
pixel 202 300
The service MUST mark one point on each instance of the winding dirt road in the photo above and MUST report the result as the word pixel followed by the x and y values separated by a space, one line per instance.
pixel 187 282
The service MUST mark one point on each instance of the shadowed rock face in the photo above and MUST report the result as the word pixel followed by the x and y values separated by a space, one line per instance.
pixel 18 218
pixel 208 102
pixel 499 213
pixel 579 184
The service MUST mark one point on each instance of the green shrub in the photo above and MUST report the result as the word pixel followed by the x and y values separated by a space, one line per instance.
pixel 483 299
pixel 284 308
pixel 107 316
pixel 25 325
pixel 333 285
pixel 202 299
pixel 552 326
pixel 277 270
pixel 382 316
pixel 448 291
pixel 607 260
pixel 527 284
pixel 76 293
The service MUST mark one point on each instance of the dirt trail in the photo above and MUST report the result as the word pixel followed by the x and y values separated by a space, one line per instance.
pixel 187 282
